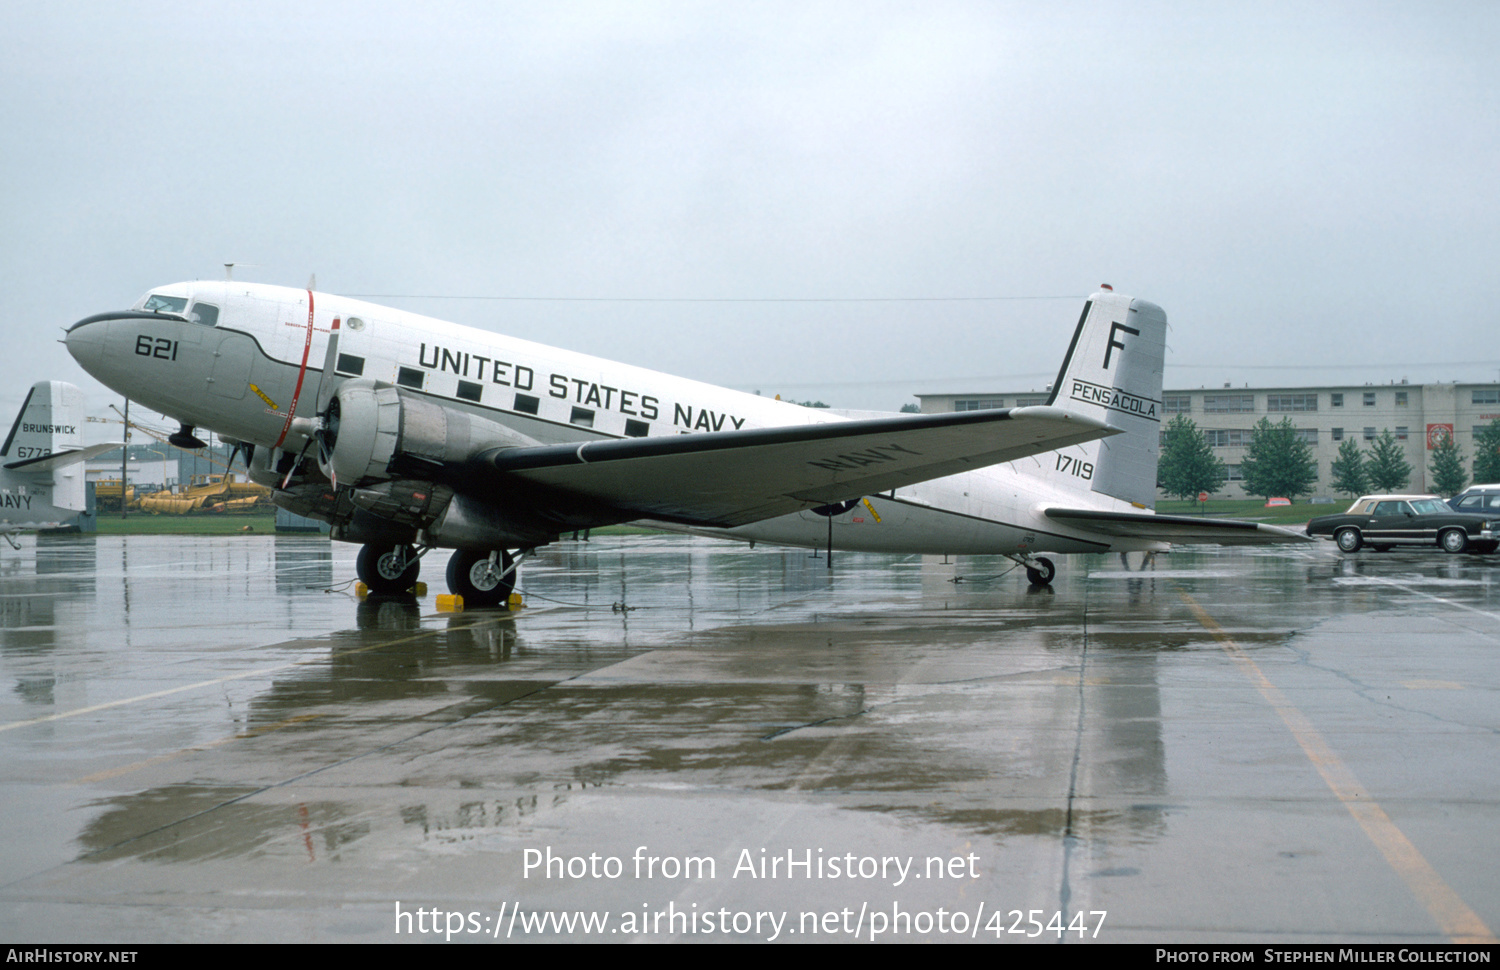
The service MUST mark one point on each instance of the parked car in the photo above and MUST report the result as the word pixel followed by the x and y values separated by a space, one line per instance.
pixel 1383 521
pixel 1479 500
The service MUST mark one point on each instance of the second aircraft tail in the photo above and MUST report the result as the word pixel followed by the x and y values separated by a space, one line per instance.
pixel 1113 371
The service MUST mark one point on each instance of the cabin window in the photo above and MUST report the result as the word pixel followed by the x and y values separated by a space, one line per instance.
pixel 636 429
pixel 469 391
pixel 583 417
pixel 410 377
pixel 350 364
pixel 205 313
pixel 526 404
pixel 156 303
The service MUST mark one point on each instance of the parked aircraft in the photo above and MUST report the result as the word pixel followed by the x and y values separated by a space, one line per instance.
pixel 416 434
pixel 41 473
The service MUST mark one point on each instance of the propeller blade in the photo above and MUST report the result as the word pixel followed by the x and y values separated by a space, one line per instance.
pixel 330 360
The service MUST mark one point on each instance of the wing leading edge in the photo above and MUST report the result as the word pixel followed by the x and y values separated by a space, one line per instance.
pixel 1185 529
pixel 731 478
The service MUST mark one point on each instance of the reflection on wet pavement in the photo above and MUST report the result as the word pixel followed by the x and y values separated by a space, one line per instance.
pixel 220 727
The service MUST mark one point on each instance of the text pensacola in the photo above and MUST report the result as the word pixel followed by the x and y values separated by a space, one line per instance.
pixel 791 864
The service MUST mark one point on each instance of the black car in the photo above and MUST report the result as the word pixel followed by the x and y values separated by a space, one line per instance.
pixel 1383 521
pixel 1478 500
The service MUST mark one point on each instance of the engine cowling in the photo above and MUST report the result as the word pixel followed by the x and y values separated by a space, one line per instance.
pixel 375 432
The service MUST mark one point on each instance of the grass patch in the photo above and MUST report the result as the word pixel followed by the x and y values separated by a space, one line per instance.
pixel 1253 509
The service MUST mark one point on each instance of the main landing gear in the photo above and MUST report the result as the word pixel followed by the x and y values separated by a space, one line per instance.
pixel 1039 571
pixel 482 578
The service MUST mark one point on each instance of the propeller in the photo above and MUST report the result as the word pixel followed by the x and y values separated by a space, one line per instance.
pixel 327 424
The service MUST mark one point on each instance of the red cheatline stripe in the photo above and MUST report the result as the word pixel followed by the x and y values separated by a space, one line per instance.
pixel 291 411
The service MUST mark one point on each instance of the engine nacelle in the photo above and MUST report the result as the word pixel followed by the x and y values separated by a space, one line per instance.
pixel 376 431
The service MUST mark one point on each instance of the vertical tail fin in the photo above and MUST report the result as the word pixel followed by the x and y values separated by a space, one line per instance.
pixel 48 427
pixel 1113 371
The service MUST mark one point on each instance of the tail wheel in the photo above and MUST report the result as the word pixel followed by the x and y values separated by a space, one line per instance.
pixel 1454 541
pixel 479 581
pixel 1041 572
pixel 388 569
pixel 1348 540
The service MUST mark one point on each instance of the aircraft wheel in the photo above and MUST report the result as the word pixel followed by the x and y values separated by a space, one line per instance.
pixel 1041 572
pixel 471 576
pixel 1454 541
pixel 1348 540
pixel 387 569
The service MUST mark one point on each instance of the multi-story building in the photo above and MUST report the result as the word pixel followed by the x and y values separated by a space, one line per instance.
pixel 1417 414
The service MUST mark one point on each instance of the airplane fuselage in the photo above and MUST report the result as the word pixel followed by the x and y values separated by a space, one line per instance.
pixel 245 360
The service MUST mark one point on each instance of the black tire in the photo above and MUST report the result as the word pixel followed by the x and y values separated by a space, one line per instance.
pixel 1383 547
pixel 1041 572
pixel 470 577
pixel 1348 540
pixel 1453 541
pixel 384 571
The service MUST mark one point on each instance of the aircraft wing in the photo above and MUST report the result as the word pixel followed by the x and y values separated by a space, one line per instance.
pixel 62 459
pixel 731 478
pixel 1185 529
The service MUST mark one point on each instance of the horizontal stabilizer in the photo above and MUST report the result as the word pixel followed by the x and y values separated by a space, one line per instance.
pixel 730 478
pixel 62 459
pixel 1184 529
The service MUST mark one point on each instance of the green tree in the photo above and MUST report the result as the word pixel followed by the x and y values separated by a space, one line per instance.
pixel 1487 454
pixel 910 408
pixel 1387 465
pixel 1349 475
pixel 1278 462
pixel 1188 466
pixel 1448 475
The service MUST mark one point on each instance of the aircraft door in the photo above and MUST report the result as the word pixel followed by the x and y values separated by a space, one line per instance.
pixel 234 357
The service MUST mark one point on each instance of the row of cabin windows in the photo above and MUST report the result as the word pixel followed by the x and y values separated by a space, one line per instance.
pixel 469 391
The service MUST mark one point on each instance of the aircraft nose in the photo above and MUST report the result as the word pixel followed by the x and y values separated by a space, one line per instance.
pixel 85 340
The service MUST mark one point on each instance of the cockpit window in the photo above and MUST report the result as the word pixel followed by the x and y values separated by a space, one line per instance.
pixel 204 313
pixel 156 303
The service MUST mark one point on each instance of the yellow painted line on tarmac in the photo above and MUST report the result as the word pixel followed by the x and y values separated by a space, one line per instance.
pixel 1458 922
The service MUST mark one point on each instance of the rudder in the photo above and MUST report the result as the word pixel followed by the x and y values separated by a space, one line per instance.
pixel 1113 371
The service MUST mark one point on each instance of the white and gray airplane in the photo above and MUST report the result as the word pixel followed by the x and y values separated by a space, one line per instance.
pixel 41 464
pixel 409 434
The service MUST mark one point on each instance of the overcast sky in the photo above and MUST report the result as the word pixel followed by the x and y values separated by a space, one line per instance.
pixel 1298 185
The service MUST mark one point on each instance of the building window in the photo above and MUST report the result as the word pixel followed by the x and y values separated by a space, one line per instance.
pixel 1308 435
pixel 1369 399
pixel 1228 403
pixel 1338 434
pixel 1232 473
pixel 979 404
pixel 1227 437
pixel 1335 400
pixel 1400 399
pixel 1369 434
pixel 1489 395
pixel 526 404
pixel 1291 402
pixel 410 377
pixel 1177 404
pixel 1030 402
pixel 1400 433
pixel 469 391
